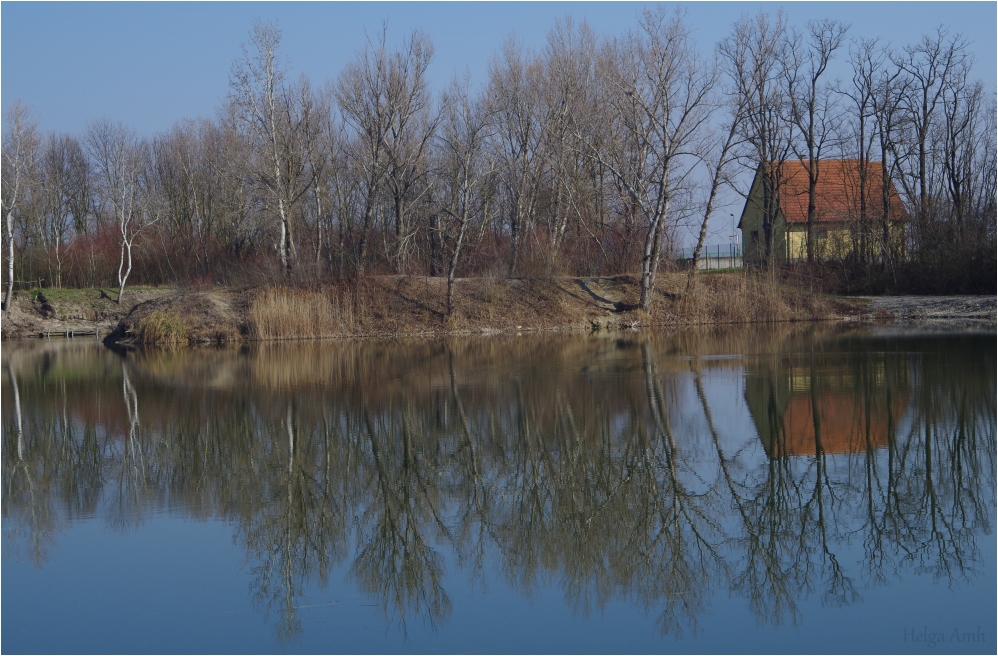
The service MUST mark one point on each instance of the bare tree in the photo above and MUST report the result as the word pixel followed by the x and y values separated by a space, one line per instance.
pixel 122 163
pixel 890 90
pixel 63 174
pixel 516 139
pixel 963 115
pixel 463 169
pixel 658 93
pixel 935 65
pixel 866 59
pixel 719 172
pixel 812 104
pixel 344 185
pixel 567 98
pixel 191 181
pixel 982 190
pixel 364 96
pixel 20 149
pixel 754 56
pixel 412 123
pixel 322 160
pixel 278 118
pixel 239 225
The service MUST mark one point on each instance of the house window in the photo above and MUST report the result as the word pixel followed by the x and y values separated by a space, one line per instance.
pixel 755 237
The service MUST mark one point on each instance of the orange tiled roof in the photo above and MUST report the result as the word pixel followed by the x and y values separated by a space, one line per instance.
pixel 836 193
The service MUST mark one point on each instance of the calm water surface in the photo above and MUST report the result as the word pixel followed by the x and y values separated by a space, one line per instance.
pixel 767 490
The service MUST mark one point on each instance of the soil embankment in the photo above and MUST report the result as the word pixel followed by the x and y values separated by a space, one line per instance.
pixel 416 305
pixel 77 312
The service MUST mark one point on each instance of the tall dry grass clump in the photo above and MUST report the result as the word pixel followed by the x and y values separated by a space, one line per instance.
pixel 747 298
pixel 722 298
pixel 283 313
pixel 162 327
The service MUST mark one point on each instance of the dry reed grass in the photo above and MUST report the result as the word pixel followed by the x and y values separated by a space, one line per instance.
pixel 743 298
pixel 162 327
pixel 284 313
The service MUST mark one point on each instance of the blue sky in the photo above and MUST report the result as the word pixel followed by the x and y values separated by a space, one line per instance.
pixel 150 64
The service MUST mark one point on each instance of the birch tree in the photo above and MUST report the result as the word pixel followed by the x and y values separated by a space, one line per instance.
pixel 121 161
pixel 20 150
pixel 278 118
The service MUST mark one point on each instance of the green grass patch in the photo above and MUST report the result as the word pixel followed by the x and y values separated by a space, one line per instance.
pixel 87 294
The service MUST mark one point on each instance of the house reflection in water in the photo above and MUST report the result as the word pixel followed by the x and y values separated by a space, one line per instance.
pixel 809 405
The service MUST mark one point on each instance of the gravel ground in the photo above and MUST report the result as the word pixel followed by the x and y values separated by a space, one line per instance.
pixel 942 311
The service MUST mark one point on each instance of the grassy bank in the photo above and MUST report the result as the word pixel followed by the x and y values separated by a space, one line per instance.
pixel 404 305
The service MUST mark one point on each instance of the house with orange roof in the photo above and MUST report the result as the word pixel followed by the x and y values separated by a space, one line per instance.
pixel 845 222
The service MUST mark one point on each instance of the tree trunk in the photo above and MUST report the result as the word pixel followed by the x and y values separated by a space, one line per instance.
pixel 812 183
pixel 126 246
pixel 715 184
pixel 452 267
pixel 10 261
pixel 652 256
pixel 283 243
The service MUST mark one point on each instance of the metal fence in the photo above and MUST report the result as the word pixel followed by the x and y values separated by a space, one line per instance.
pixel 716 256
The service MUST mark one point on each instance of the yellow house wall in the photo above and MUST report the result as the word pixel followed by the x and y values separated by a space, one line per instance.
pixel 828 244
pixel 797 244
pixel 751 222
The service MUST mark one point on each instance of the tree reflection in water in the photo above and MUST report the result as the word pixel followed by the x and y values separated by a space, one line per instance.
pixel 599 464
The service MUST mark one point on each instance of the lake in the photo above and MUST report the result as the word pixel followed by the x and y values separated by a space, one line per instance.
pixel 769 489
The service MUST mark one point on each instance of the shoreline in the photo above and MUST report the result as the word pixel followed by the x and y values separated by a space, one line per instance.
pixel 412 306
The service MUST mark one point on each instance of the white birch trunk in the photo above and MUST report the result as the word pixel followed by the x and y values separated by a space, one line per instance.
pixel 10 261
